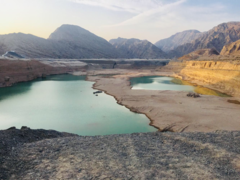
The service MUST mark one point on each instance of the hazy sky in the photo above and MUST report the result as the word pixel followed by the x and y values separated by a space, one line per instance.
pixel 143 19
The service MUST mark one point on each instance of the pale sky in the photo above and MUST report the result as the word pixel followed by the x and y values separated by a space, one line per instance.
pixel 143 19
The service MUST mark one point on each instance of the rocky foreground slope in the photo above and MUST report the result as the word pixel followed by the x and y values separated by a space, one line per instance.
pixel 131 156
pixel 11 138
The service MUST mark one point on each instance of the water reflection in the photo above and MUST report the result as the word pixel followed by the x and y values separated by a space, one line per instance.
pixel 21 88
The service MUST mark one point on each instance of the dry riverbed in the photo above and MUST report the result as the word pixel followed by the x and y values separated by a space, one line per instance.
pixel 169 108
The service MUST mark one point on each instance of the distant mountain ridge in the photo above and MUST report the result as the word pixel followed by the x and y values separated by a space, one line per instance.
pixel 85 41
pixel 135 48
pixel 27 45
pixel 216 38
pixel 74 42
pixel 68 41
pixel 178 39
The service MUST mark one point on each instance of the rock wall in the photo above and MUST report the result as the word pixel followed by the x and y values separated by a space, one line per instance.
pixel 231 49
pixel 223 76
pixel 13 71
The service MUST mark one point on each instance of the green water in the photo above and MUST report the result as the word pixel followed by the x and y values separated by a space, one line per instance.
pixel 169 83
pixel 66 103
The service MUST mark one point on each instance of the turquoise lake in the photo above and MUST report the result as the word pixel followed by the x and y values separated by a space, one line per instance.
pixel 66 103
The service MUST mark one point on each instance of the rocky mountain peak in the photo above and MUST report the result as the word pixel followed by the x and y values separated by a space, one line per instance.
pixel 70 33
pixel 178 39
pixel 216 38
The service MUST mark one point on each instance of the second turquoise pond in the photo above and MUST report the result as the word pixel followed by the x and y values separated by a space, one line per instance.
pixel 169 83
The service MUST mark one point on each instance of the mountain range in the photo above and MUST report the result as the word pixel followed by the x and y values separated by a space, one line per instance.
pixel 67 41
pixel 215 38
pixel 135 48
pixel 74 42
pixel 178 39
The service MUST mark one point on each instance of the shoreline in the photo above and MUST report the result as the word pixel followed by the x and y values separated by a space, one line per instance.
pixel 133 110
pixel 130 109
pixel 189 125
pixel 164 111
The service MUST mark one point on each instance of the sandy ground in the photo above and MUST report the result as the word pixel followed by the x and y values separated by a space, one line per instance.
pixel 169 108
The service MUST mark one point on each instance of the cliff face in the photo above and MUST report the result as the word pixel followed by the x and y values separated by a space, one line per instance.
pixel 178 39
pixel 216 38
pixel 223 76
pixel 231 49
pixel 135 48
pixel 15 71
